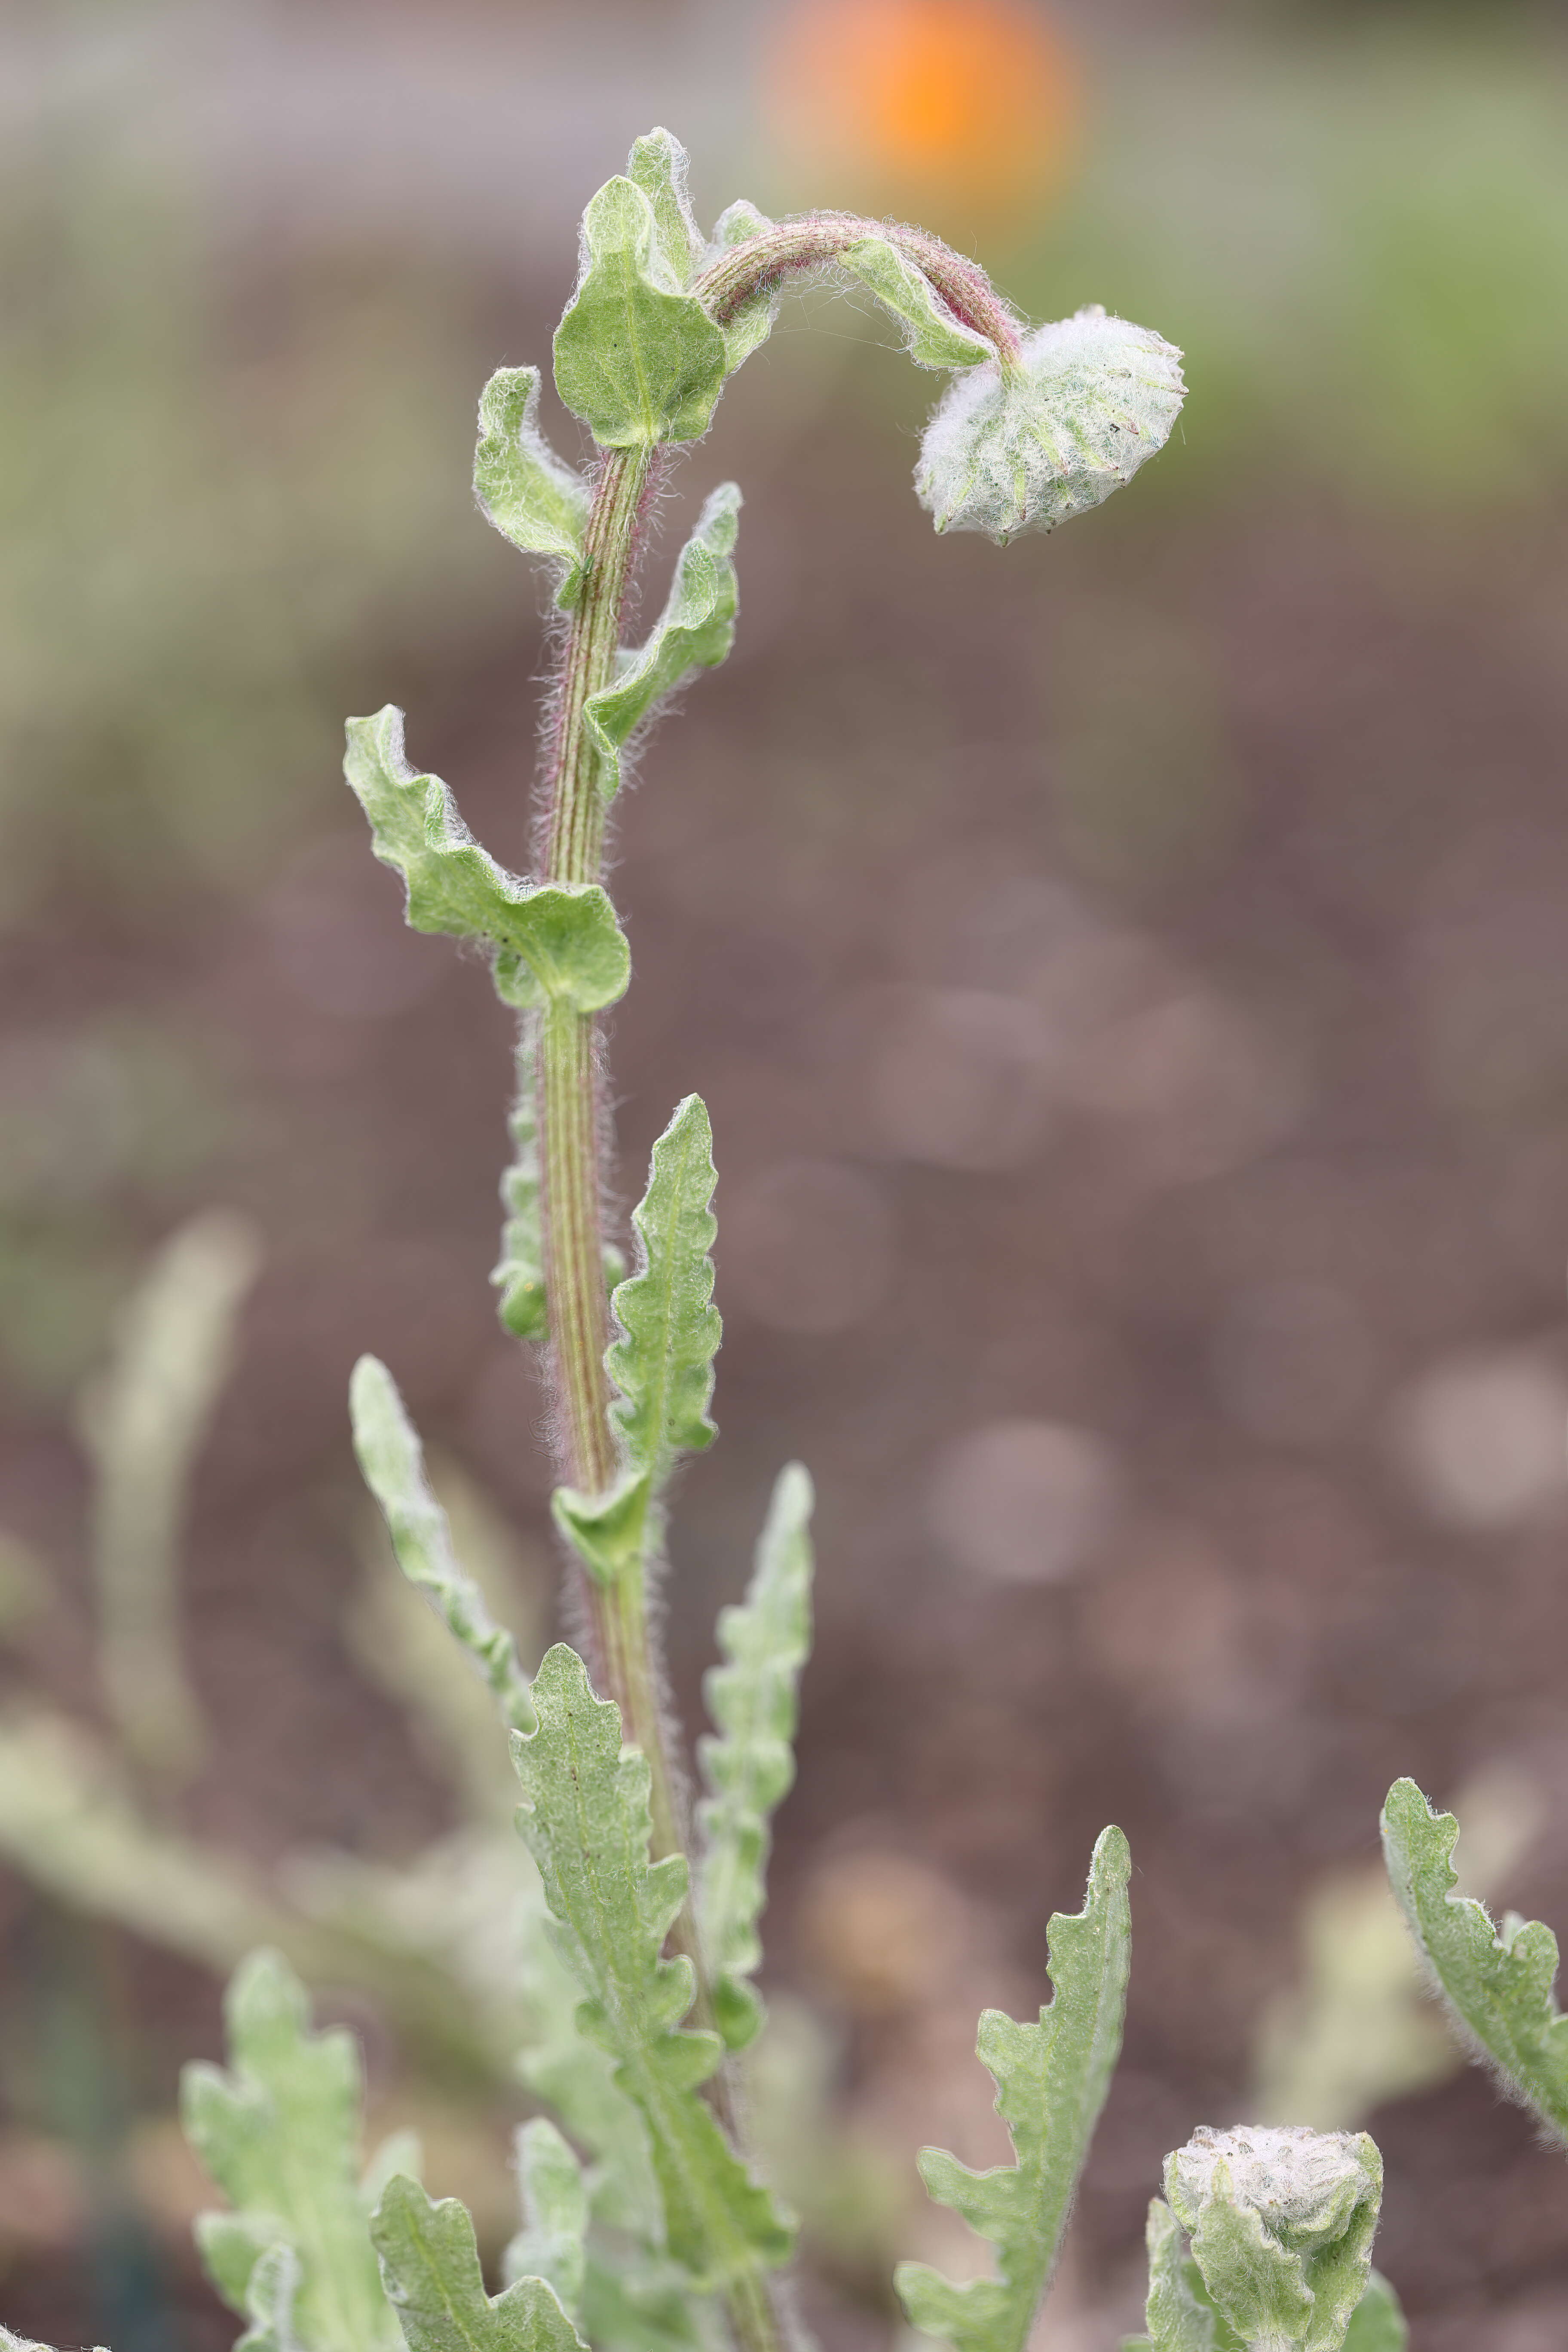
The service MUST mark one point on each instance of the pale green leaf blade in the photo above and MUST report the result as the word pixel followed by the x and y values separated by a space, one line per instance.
pixel 532 496
pixel 934 335
pixel 749 1765
pixel 554 2196
pixel 695 631
pixel 1051 2082
pixel 1026 448
pixel 1260 2285
pixel 1178 2320
pixel 637 358
pixel 269 2293
pixel 751 322
pixel 662 1363
pixel 585 1818
pixel 430 2265
pixel 1499 1985
pixel 279 2135
pixel 1377 2324
pixel 608 1532
pixel 519 1272
pixel 393 1461
pixel 560 944
pixel 661 168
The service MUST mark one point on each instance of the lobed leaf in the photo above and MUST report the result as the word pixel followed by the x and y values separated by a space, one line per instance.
pixel 1051 2081
pixel 532 496
pixel 585 1818
pixel 281 2137
pixel 695 631
pixel 662 1363
pixel 637 357
pixel 554 2198
pixel 430 2267
pixel 393 1461
pixel 749 1765
pixel 1500 1983
pixel 934 336
pixel 560 944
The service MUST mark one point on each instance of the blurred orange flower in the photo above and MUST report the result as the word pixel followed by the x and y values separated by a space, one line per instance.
pixel 929 106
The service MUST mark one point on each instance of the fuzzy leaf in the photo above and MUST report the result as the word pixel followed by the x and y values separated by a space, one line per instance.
pixel 663 1362
pixel 695 631
pixel 532 497
pixel 1377 2324
pixel 934 336
pixel 269 2293
pixel 519 1274
pixel 1180 2319
pixel 1025 449
pixel 561 944
pixel 1260 2285
pixel 637 358
pixel 1051 2082
pixel 281 2137
pixel 430 2266
pixel 749 1766
pixel 752 323
pixel 555 2216
pixel 393 1461
pixel 1499 1983
pixel 1281 2220
pixel 661 167
pixel 586 1821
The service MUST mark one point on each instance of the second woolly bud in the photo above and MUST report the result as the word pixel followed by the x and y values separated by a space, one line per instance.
pixel 1023 447
pixel 1280 2223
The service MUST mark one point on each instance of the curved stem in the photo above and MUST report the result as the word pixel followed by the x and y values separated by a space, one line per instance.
pixel 785 249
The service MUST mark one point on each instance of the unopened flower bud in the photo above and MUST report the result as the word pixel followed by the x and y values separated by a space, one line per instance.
pixel 1023 447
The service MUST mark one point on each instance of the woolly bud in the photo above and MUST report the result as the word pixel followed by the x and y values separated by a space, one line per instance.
pixel 1021 448
pixel 1281 2224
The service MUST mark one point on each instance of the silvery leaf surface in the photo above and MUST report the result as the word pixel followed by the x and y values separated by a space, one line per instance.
pixel 532 496
pixel 1025 448
pixel 430 2267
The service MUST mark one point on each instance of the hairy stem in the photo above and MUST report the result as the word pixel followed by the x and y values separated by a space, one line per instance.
pixel 788 247
pixel 571 1141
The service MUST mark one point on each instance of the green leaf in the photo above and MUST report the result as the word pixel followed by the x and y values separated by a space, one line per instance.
pixel 637 358
pixel 532 497
pixel 561 944
pixel 1051 2082
pixel 585 1820
pixel 695 631
pixel 1500 1983
pixel 1260 2285
pixel 749 1766
pixel 393 1461
pixel 662 1363
pixel 281 2137
pixel 519 1274
pixel 1025 447
pixel 430 2265
pixel 555 2216
pixel 1180 2320
pixel 752 323
pixel 660 166
pixel 935 337
pixel 608 1532
pixel 1377 2324
pixel 269 2293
